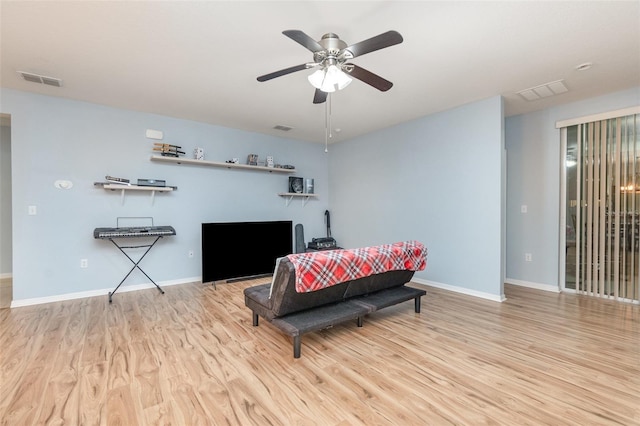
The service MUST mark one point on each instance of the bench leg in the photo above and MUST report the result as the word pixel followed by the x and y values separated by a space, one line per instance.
pixel 296 346
pixel 359 322
pixel 255 319
pixel 417 303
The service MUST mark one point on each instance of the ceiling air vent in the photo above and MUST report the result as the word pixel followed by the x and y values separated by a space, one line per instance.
pixel 544 90
pixel 36 78
pixel 283 128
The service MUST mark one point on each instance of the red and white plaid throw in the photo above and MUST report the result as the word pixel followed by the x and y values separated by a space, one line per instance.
pixel 317 270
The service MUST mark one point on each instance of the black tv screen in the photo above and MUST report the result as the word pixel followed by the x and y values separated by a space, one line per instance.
pixel 243 249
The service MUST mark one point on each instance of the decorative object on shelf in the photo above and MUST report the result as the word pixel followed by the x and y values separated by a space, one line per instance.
pixel 252 159
pixel 286 166
pixel 270 161
pixel 235 160
pixel 152 182
pixel 308 186
pixel 118 180
pixel 168 150
pixel 296 185
pixel 198 153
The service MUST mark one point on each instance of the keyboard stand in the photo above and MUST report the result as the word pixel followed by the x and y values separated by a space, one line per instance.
pixel 135 264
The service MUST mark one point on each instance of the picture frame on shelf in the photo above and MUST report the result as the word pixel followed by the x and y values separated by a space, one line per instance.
pixel 296 185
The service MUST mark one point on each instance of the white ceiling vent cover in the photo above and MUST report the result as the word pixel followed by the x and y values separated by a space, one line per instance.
pixel 36 78
pixel 544 90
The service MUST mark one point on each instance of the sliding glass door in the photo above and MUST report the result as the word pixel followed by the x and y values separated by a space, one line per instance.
pixel 602 207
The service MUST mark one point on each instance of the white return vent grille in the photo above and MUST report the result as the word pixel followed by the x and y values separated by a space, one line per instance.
pixel 544 90
pixel 36 78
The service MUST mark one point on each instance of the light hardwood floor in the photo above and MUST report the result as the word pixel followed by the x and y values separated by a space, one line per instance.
pixel 6 292
pixel 191 356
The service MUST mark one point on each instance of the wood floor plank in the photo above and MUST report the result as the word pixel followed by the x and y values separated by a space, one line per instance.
pixel 93 394
pixel 60 401
pixel 192 356
pixel 188 407
pixel 121 407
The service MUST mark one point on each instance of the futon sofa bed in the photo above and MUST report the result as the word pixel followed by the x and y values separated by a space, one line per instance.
pixel 316 290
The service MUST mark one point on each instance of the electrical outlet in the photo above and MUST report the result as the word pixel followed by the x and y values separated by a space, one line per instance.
pixel 527 257
pixel 84 263
pixel 190 253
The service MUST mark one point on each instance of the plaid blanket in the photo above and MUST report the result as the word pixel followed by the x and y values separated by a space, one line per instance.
pixel 317 270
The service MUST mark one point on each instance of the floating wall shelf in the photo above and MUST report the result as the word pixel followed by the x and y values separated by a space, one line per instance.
pixel 124 188
pixel 290 195
pixel 190 161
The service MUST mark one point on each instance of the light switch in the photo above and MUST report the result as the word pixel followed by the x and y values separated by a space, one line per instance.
pixel 523 208
pixel 32 210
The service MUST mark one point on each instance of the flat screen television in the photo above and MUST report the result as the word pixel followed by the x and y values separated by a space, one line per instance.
pixel 233 250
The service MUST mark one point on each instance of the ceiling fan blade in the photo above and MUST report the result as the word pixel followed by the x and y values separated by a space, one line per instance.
pixel 320 97
pixel 372 44
pixel 368 77
pixel 306 41
pixel 283 72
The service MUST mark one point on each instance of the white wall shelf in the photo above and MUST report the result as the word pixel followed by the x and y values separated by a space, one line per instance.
pixel 190 161
pixel 124 188
pixel 289 196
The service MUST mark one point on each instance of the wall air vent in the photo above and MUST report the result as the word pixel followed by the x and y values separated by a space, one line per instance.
pixel 36 78
pixel 283 128
pixel 544 90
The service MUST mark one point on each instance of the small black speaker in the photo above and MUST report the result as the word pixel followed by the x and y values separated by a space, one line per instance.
pixel 300 247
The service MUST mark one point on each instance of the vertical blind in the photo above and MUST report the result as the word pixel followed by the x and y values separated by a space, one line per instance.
pixel 606 213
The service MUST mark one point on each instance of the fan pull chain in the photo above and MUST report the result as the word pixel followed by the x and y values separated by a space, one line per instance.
pixel 327 123
pixel 330 131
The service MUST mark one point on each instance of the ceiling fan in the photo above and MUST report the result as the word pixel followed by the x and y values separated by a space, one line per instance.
pixel 331 55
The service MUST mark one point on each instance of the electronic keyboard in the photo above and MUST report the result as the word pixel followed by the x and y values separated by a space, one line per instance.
pixel 132 232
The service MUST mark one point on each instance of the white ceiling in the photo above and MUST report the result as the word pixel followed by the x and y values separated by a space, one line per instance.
pixel 199 60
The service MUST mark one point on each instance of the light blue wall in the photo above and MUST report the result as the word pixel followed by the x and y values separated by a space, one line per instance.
pixel 5 200
pixel 533 179
pixel 438 180
pixel 54 138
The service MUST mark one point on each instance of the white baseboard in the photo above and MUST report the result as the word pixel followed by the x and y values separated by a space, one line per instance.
pixel 529 284
pixel 101 292
pixel 462 290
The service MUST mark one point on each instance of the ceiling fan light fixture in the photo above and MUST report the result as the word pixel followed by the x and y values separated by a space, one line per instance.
pixel 329 82
pixel 329 79
pixel 316 79
pixel 343 80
